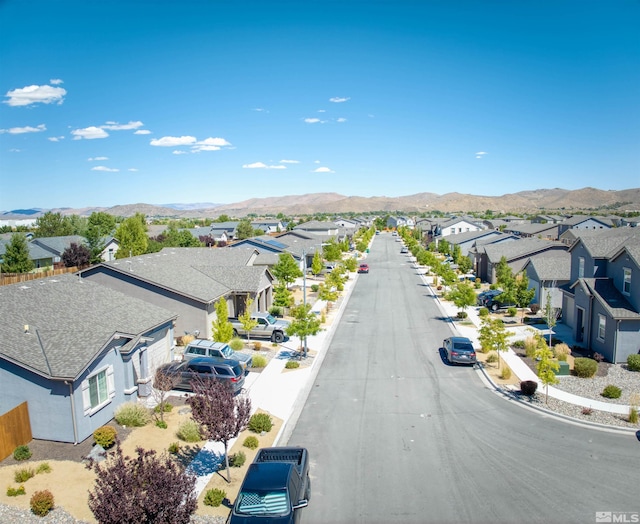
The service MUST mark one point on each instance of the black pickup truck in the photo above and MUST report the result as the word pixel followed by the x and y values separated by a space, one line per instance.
pixel 275 488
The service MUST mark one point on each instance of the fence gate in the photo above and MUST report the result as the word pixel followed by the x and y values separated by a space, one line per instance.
pixel 15 430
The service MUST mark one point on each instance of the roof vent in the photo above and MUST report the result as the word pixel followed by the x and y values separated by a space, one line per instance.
pixel 26 329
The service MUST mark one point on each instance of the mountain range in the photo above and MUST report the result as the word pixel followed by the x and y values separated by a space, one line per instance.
pixel 596 201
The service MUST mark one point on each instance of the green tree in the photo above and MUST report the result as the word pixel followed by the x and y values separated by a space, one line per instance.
pixel 316 264
pixel 132 236
pixel 53 225
pixel 286 270
pixel 304 324
pixel 223 218
pixel 493 336
pixel 504 274
pixel 464 264
pixel 523 295
pixel 103 223
pixel 463 295
pixel 174 237
pixel 282 297
pixel 247 321
pixel 546 366
pixel 551 314
pixel 16 257
pixel 332 250
pixel 244 229
pixel 222 328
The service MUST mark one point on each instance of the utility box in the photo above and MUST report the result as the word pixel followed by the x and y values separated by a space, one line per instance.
pixel 564 368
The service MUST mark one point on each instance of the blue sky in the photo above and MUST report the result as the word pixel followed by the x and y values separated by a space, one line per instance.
pixel 118 102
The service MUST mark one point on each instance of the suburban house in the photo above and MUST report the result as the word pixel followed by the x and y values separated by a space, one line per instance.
pixel 547 274
pixel 189 281
pixel 110 249
pixel 583 223
pixel 57 245
pixel 454 226
pixel 547 231
pixel 74 351
pixel 466 241
pixel 269 227
pixel 42 258
pixel 322 229
pixel 395 222
pixel 602 301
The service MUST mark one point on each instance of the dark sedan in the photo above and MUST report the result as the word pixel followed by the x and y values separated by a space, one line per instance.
pixel 226 370
pixel 459 350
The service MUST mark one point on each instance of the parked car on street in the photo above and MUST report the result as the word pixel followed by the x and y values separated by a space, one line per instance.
pixel 363 268
pixel 459 350
pixel 217 350
pixel 404 250
pixel 206 368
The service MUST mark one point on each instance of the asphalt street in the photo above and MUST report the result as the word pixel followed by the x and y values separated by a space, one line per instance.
pixel 396 434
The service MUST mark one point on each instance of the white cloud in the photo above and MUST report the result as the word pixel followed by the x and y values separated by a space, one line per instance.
pixel 341 119
pixel 316 161
pixel 322 170
pixel 35 95
pixel 178 152
pixel 142 132
pixel 480 154
pixel 89 133
pixel 312 120
pixel 173 141
pixel 197 149
pixel 105 168
pixel 26 129
pixel 289 161
pixel 214 142
pixel 338 99
pixel 14 150
pixel 276 166
pixel 133 169
pixel 255 165
pixel 114 126
pixel 55 81
pixel 55 138
pixel 98 158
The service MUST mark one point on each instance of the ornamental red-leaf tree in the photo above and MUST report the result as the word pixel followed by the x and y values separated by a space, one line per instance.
pixel 221 415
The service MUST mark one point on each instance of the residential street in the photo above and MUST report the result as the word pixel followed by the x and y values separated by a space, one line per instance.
pixel 397 435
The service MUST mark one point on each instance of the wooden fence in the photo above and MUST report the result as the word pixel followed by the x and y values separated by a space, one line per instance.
pixel 15 430
pixel 16 278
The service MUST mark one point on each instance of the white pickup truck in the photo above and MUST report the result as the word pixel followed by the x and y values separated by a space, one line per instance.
pixel 268 327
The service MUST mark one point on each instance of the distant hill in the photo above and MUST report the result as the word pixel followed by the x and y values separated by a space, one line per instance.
pixel 596 201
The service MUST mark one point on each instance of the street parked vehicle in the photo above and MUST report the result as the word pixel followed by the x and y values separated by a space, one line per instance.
pixel 404 250
pixel 459 350
pixel 217 350
pixel 275 488
pixel 363 268
pixel 186 372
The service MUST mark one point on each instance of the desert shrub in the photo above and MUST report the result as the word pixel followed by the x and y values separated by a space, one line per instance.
pixel 483 312
pixel 633 415
pixel 166 408
pixel 22 475
pixel 506 373
pixel 41 502
pixel 257 345
pixel 260 422
pixel 132 414
pixel 512 312
pixel 189 431
pixel 292 364
pixel 611 391
pixel 259 361
pixel 561 349
pixel 518 344
pixel 530 346
pixel 43 468
pixel 477 284
pixel 534 308
pixel 174 448
pixel 105 436
pixel 492 357
pixel 14 492
pixel 185 340
pixel 315 287
pixel 585 367
pixel 562 357
pixel 528 387
pixel 237 460
pixel 633 362
pixel 236 344
pixel 22 453
pixel 251 442
pixel 214 497
pixel 161 424
pixel 598 357
pixel 462 314
pixel 276 311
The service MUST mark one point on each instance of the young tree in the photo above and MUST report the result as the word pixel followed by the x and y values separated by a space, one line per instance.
pixel 132 235
pixel 247 321
pixel 523 295
pixel 492 335
pixel 76 255
pixel 332 251
pixel 222 328
pixel 244 229
pixel 16 256
pixel 463 295
pixel 163 383
pixel 282 297
pixel 174 237
pixel 304 324
pixel 147 488
pixel 551 314
pixel 316 264
pixel 103 223
pixel 546 367
pixel 286 270
pixel 221 415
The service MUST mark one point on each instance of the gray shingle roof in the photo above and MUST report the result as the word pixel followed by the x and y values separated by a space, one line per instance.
pixel 613 301
pixel 70 322
pixel 57 245
pixel 604 242
pixel 552 266
pixel 519 248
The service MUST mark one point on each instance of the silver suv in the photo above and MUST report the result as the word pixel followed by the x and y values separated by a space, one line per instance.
pixel 217 350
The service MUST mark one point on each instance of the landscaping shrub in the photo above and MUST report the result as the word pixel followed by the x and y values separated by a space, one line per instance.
pixel 167 408
pixel 276 311
pixel 214 497
pixel 587 411
pixel 237 460
pixel 259 361
pixel 105 436
pixel 534 308
pixel 611 391
pixel 292 364
pixel 585 367
pixel 477 284
pixel 14 492
pixel 483 312
pixel 506 373
pixel 462 314
pixel 189 431
pixel 562 357
pixel 236 344
pixel 633 415
pixel 257 345
pixel 512 312
pixel 22 453
pixel 633 362
pixel 251 442
pixel 561 349
pixel 43 468
pixel 260 422
pixel 174 448
pixel 528 387
pixel 518 344
pixel 41 502
pixel 598 357
pixel 315 287
pixel 132 414
pixel 22 475
pixel 530 346
pixel 161 424
pixel 492 357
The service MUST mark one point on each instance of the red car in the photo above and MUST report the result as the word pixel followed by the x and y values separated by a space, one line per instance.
pixel 364 268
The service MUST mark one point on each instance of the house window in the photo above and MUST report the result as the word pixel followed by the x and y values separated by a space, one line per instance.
pixel 626 283
pixel 602 326
pixel 581 267
pixel 98 390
